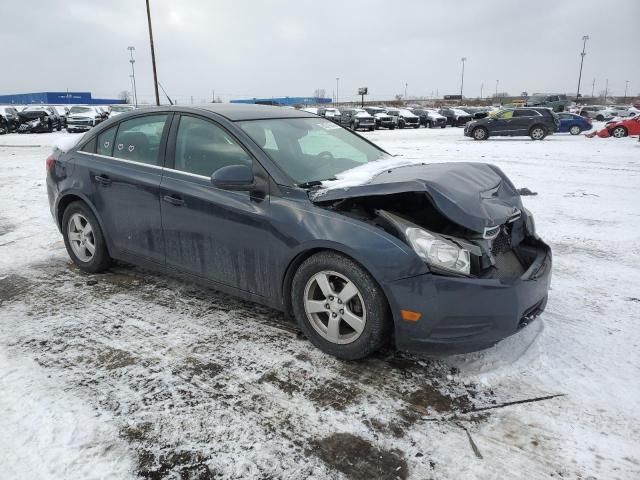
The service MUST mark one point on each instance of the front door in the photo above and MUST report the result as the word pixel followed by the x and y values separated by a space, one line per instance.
pixel 210 232
pixel 125 173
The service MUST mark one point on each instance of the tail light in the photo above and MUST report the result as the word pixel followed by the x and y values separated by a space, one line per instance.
pixel 50 163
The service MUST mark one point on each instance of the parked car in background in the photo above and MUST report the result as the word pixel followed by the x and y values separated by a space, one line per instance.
pixel 573 123
pixel 476 112
pixel 455 117
pixel 123 108
pixel 534 122
pixel 430 118
pixel 38 120
pixel 418 255
pixel 62 112
pixel 357 119
pixel 9 119
pixel 330 113
pixel 405 118
pixel 556 101
pixel 617 111
pixel 382 118
pixel 594 112
pixel 56 120
pixel 82 118
pixel 623 128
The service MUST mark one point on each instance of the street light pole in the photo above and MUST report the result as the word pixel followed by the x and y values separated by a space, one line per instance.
pixel 406 85
pixel 626 86
pixel 584 46
pixel 464 59
pixel 133 76
pixel 481 87
pixel 337 90
pixel 153 56
pixel 497 81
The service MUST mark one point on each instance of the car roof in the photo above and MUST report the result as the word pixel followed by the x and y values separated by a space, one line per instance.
pixel 238 111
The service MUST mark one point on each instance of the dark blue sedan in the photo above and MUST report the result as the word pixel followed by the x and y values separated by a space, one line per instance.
pixel 287 209
pixel 573 124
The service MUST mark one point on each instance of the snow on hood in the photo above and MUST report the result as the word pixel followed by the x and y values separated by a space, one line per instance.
pixel 65 144
pixel 364 173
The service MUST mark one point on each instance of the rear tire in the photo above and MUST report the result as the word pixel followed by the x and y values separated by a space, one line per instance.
pixel 82 234
pixel 322 281
pixel 575 130
pixel 537 132
pixel 600 118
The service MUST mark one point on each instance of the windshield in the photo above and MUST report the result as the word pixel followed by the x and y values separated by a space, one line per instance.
pixel 79 110
pixel 537 99
pixel 311 149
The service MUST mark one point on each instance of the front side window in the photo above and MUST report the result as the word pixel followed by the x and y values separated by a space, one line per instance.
pixel 311 149
pixel 203 147
pixel 139 139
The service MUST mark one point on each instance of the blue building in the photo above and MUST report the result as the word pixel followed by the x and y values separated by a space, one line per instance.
pixel 56 98
pixel 285 101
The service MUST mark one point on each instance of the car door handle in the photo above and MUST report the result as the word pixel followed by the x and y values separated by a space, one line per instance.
pixel 173 200
pixel 103 179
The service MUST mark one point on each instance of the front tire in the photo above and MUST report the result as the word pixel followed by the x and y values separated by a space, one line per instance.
pixel 339 306
pixel 480 133
pixel 83 238
pixel 619 132
pixel 575 130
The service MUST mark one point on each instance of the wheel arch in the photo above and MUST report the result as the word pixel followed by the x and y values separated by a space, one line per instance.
pixel 71 197
pixel 297 260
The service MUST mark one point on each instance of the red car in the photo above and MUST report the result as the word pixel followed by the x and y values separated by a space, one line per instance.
pixel 623 128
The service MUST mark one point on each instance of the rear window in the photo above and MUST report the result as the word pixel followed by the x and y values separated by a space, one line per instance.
pixel 138 139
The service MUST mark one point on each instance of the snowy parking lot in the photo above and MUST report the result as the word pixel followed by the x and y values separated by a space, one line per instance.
pixel 130 374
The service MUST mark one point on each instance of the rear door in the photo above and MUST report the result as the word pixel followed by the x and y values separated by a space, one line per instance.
pixel 124 173
pixel 523 120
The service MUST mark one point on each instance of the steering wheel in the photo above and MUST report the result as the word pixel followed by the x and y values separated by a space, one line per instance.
pixel 326 154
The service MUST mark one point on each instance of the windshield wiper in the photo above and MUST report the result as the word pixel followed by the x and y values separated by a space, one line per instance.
pixel 315 183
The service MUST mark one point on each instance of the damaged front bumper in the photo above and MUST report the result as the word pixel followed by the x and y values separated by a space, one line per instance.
pixel 461 315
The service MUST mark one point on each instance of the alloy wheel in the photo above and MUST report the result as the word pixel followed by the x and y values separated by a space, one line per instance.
pixel 81 237
pixel 335 308
pixel 575 130
pixel 537 134
pixel 479 133
pixel 619 132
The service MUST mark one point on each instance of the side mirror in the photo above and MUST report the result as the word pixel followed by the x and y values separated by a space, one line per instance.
pixel 233 177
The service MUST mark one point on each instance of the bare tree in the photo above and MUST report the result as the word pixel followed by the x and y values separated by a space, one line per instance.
pixel 319 93
pixel 124 95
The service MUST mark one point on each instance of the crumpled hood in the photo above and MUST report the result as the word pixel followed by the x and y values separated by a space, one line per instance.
pixel 473 195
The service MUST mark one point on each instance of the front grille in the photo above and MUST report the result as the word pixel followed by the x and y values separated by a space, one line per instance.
pixel 502 243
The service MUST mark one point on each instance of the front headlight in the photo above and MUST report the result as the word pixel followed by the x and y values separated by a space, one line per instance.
pixel 438 251
pixel 34 123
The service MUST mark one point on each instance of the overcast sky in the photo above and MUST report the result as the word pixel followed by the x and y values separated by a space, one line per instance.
pixel 254 48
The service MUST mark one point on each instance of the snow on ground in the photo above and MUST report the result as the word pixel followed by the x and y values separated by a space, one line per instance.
pixel 133 374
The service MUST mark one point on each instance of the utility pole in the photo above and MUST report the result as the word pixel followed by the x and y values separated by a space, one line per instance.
pixel 497 81
pixel 153 55
pixel 481 87
pixel 133 76
pixel 464 59
pixel 406 85
pixel 626 86
pixel 593 87
pixel 584 46
pixel 606 90
pixel 337 89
